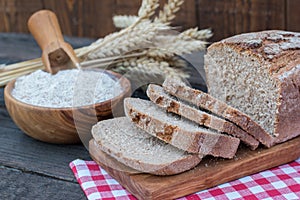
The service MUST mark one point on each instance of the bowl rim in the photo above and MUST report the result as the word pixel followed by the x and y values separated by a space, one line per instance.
pixel 124 82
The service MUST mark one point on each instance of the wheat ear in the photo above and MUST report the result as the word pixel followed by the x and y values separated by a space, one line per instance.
pixel 168 13
pixel 194 33
pixel 176 46
pixel 147 67
pixel 123 21
pixel 148 8
pixel 146 11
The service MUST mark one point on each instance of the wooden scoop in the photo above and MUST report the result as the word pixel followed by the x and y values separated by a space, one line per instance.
pixel 57 54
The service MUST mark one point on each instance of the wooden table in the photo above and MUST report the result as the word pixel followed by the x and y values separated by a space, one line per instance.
pixel 29 168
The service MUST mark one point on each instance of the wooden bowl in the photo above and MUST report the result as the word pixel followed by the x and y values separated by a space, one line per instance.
pixel 63 125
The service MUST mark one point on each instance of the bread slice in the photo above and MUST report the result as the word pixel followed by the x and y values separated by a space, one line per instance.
pixel 205 101
pixel 157 95
pixel 181 133
pixel 135 148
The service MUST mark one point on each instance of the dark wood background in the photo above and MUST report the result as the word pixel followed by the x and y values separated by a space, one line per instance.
pixel 93 18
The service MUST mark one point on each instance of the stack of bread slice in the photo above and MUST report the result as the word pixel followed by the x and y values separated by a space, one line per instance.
pixel 170 135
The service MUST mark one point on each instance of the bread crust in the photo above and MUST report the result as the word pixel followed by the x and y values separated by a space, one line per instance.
pixel 279 52
pixel 205 101
pixel 217 145
pixel 165 101
pixel 288 117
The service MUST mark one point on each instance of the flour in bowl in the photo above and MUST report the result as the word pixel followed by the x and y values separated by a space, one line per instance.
pixel 66 89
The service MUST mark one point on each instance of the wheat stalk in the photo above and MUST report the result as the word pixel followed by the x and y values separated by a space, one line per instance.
pixel 187 42
pixel 177 62
pixel 147 67
pixel 139 38
pixel 13 71
pixel 9 77
pixel 175 46
pixel 168 13
pixel 194 33
pixel 124 21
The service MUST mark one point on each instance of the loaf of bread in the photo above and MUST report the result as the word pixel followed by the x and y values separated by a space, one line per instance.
pixel 170 104
pixel 135 148
pixel 259 73
pixel 179 132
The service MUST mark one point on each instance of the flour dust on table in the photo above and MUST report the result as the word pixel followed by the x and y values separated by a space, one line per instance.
pixel 59 91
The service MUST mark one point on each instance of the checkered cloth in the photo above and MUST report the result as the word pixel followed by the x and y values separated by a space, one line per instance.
pixel 281 182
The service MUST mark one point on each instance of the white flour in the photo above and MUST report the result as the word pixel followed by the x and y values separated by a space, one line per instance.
pixel 67 88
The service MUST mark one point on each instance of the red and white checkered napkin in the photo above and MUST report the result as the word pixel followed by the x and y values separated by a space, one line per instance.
pixel 281 182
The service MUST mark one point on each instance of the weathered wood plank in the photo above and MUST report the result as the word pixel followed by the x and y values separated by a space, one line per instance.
pixel 16 184
pixel 5 120
pixel 91 18
pixel 15 13
pixel 82 18
pixel 94 18
pixel 22 152
pixel 231 17
pixel 293 15
pixel 126 7
pixel 2 104
pixel 16 47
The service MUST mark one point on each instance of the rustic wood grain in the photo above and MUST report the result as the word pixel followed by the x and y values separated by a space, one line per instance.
pixel 126 7
pixel 292 15
pixel 231 17
pixel 94 18
pixel 15 13
pixel 210 172
pixel 91 18
pixel 16 47
pixel 32 186
pixel 20 151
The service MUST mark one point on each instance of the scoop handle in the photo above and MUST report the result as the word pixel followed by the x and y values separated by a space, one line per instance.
pixel 57 54
pixel 45 28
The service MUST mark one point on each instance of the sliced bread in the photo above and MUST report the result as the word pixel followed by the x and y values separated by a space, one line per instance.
pixel 135 148
pixel 205 101
pixel 181 133
pixel 157 95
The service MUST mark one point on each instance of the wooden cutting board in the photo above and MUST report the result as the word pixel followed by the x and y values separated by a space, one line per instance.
pixel 210 172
